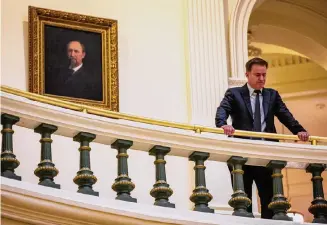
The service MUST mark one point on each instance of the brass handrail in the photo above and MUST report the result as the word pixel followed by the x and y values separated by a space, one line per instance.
pixel 118 115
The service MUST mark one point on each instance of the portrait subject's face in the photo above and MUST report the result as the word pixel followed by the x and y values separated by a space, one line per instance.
pixel 75 53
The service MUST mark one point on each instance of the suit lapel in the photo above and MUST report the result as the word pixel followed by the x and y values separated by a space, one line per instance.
pixel 246 98
pixel 265 102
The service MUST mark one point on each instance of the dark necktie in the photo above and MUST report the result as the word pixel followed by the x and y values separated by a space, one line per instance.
pixel 257 113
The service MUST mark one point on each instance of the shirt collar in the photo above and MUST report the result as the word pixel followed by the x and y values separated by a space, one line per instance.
pixel 251 90
pixel 77 67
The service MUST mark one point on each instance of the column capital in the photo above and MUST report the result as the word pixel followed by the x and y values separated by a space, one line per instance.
pixel 237 160
pixel 157 149
pixel 8 119
pixel 84 136
pixel 45 128
pixel 276 164
pixel 199 156
pixel 315 167
pixel 120 143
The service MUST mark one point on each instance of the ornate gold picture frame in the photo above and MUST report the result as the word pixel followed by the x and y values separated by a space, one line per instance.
pixel 73 57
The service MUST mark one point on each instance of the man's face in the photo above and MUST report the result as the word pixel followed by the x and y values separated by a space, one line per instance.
pixel 75 53
pixel 257 76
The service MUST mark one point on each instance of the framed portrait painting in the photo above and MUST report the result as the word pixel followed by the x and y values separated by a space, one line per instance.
pixel 73 57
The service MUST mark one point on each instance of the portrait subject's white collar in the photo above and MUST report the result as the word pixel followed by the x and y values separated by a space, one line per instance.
pixel 77 68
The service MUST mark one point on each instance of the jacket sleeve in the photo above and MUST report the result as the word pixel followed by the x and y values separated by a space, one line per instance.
pixel 286 117
pixel 224 109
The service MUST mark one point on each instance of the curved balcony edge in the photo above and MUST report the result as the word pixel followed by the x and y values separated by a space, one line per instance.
pixel 145 136
pixel 118 115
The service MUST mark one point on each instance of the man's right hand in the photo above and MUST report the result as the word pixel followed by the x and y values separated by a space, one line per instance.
pixel 228 129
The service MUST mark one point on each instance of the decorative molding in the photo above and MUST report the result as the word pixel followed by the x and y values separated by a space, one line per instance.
pixel 25 205
pixel 292 40
pixel 278 85
pixel 287 60
pixel 34 204
pixel 304 94
pixel 232 82
pixel 286 96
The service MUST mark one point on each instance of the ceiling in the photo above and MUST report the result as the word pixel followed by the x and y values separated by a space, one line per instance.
pixel 306 17
pixel 315 6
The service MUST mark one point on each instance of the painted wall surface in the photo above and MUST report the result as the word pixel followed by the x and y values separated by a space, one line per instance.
pixel 151 50
pixel 151 81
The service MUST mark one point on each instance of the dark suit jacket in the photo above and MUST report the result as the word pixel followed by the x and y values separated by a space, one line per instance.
pixel 237 104
pixel 81 84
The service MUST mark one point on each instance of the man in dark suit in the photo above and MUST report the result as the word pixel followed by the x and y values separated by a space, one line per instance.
pixel 252 108
pixel 74 80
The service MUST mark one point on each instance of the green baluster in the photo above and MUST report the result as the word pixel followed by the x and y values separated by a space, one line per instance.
pixel 46 169
pixel 8 159
pixel 161 190
pixel 279 204
pixel 123 184
pixel 319 205
pixel 85 178
pixel 201 196
pixel 239 201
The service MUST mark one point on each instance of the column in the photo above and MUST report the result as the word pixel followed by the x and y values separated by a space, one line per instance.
pixel 161 190
pixel 46 169
pixel 319 205
pixel 85 178
pixel 123 184
pixel 279 204
pixel 208 78
pixel 239 201
pixel 207 57
pixel 9 162
pixel 201 196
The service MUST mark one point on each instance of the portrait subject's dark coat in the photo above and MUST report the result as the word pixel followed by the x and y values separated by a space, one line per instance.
pixel 80 84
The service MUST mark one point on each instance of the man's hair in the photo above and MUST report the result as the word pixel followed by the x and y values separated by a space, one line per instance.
pixel 83 46
pixel 255 61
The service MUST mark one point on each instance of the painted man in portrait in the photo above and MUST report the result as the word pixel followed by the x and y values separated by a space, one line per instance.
pixel 73 79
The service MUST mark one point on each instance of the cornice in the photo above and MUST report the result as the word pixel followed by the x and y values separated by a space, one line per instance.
pixel 33 208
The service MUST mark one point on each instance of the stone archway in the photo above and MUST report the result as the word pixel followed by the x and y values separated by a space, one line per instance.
pixel 238 36
pixel 238 29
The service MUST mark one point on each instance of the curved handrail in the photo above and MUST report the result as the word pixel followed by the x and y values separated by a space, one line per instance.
pixel 118 115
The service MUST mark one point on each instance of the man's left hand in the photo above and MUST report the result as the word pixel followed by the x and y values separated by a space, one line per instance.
pixel 303 136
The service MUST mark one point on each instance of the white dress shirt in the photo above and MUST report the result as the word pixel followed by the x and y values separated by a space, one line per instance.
pixel 77 68
pixel 252 98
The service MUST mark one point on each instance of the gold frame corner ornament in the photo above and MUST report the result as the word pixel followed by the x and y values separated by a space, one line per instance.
pixel 108 28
